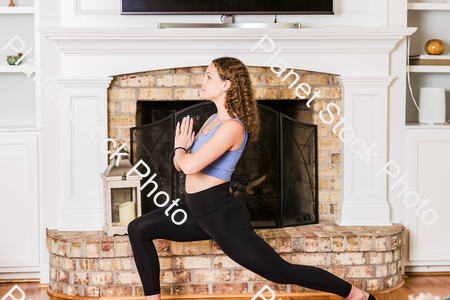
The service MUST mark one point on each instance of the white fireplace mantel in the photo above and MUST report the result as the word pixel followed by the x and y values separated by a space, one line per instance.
pixel 294 40
pixel 360 56
pixel 332 49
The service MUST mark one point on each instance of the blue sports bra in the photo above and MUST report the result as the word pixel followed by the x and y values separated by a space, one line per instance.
pixel 224 165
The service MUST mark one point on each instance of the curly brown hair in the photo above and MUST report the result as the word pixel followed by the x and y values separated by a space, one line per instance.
pixel 239 100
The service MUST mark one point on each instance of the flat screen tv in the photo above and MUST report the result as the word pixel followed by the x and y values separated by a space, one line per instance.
pixel 232 7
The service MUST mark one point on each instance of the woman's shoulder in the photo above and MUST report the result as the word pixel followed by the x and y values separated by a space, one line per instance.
pixel 237 120
pixel 234 124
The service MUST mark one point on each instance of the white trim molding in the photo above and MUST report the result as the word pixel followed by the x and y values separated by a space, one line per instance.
pixel 83 108
pixel 427 149
pixel 82 40
pixel 19 152
pixel 364 151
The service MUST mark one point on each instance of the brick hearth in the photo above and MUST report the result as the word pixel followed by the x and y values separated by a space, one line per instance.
pixel 89 263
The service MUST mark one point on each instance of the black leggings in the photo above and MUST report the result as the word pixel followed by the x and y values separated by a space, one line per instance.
pixel 217 214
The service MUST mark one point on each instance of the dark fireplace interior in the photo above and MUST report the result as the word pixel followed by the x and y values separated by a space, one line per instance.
pixel 276 177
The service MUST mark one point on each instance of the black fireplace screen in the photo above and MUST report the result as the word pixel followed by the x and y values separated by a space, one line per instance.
pixel 276 176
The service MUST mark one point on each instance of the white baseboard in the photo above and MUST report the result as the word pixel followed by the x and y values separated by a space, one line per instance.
pixel 427 268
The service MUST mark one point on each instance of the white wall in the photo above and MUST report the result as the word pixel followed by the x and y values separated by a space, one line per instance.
pixel 396 132
pixel 49 13
pixel 17 97
pixel 106 13
pixel 17 105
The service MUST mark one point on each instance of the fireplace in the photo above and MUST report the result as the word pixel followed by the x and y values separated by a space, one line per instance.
pixel 93 64
pixel 142 98
pixel 276 177
pixel 90 67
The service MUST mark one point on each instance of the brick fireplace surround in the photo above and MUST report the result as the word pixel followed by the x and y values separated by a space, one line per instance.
pixel 180 84
pixel 89 263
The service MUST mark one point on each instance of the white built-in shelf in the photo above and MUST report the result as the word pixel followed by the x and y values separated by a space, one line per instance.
pixel 12 69
pixel 427 126
pixel 429 6
pixel 18 128
pixel 17 10
pixel 429 69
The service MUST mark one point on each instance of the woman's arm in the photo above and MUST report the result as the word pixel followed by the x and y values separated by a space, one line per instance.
pixel 176 164
pixel 174 160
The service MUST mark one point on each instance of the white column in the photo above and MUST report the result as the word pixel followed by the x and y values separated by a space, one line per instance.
pixel 83 134
pixel 364 151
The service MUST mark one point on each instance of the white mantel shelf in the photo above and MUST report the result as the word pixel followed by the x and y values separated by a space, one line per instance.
pixel 412 125
pixel 96 40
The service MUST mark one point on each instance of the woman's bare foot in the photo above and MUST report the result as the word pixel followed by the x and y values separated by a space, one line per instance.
pixel 357 294
pixel 153 297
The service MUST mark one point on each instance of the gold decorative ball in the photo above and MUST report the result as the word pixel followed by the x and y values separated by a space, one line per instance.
pixel 434 47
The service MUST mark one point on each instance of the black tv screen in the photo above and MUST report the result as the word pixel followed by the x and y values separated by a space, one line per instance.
pixel 234 7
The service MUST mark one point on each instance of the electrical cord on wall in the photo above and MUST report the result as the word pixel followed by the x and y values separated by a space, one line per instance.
pixel 407 65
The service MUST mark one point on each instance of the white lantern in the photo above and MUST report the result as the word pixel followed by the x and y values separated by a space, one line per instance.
pixel 121 195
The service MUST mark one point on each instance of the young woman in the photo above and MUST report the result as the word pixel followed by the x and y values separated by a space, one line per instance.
pixel 212 211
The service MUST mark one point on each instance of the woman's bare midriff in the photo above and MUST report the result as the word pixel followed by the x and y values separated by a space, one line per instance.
pixel 198 182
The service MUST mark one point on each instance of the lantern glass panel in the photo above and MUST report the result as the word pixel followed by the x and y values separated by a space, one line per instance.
pixel 119 196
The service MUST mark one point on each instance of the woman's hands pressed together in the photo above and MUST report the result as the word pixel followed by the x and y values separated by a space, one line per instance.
pixel 184 136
